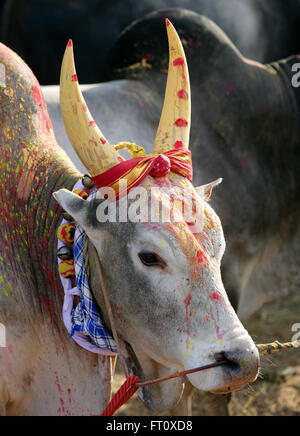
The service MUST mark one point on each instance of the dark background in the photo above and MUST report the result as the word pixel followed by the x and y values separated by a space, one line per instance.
pixel 38 30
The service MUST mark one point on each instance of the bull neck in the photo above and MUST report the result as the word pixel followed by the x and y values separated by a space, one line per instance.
pixel 44 218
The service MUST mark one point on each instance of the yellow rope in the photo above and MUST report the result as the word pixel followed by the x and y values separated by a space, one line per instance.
pixel 276 347
pixel 134 149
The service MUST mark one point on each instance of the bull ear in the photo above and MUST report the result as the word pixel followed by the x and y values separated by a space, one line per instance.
pixel 73 204
pixel 205 191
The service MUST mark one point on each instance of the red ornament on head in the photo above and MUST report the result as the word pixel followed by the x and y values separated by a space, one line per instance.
pixel 162 166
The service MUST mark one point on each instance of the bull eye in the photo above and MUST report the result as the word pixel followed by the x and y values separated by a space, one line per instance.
pixel 151 259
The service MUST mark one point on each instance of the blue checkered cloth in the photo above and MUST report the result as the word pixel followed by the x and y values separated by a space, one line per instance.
pixel 85 317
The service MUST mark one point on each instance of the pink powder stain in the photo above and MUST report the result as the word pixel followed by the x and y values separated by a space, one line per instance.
pixel 187 302
pixel 181 122
pixel 103 140
pixel 58 385
pixel 74 78
pixel 91 144
pixel 69 393
pixel 216 296
pixel 182 94
pixel 84 107
pixel 149 57
pixel 230 88
pixel 201 257
pixel 70 43
pixel 193 42
pixel 44 120
pixel 242 162
pixel 37 96
pixel 92 123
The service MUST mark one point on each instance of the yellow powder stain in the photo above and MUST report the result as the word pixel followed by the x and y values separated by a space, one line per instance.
pixel 5 292
pixel 209 222
pixel 9 92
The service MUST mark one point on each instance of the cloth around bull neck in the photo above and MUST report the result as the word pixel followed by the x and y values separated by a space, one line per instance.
pixel 84 323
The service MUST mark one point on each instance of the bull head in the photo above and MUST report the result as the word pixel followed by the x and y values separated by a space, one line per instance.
pixel 164 279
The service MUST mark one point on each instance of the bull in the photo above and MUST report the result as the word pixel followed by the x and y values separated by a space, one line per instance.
pixel 164 280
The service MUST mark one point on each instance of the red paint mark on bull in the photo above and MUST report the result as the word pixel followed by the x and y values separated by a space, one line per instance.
pixel 242 162
pixel 178 145
pixel 193 42
pixel 230 88
pixel 182 94
pixel 178 62
pixel 187 302
pixel 149 57
pixel 181 122
pixel 200 257
pixel 216 296
pixel 74 78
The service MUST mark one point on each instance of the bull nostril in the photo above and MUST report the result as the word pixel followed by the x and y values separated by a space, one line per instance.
pixel 231 364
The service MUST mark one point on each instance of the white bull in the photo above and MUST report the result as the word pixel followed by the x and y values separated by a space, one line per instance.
pixel 164 279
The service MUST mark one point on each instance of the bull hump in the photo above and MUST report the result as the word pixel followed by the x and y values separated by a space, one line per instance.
pixel 25 126
pixel 149 39
pixel 23 107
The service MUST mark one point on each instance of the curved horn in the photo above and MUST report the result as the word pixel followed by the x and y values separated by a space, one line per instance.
pixel 174 126
pixel 94 151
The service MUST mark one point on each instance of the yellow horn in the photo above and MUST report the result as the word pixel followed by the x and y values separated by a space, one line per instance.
pixel 174 126
pixel 94 151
